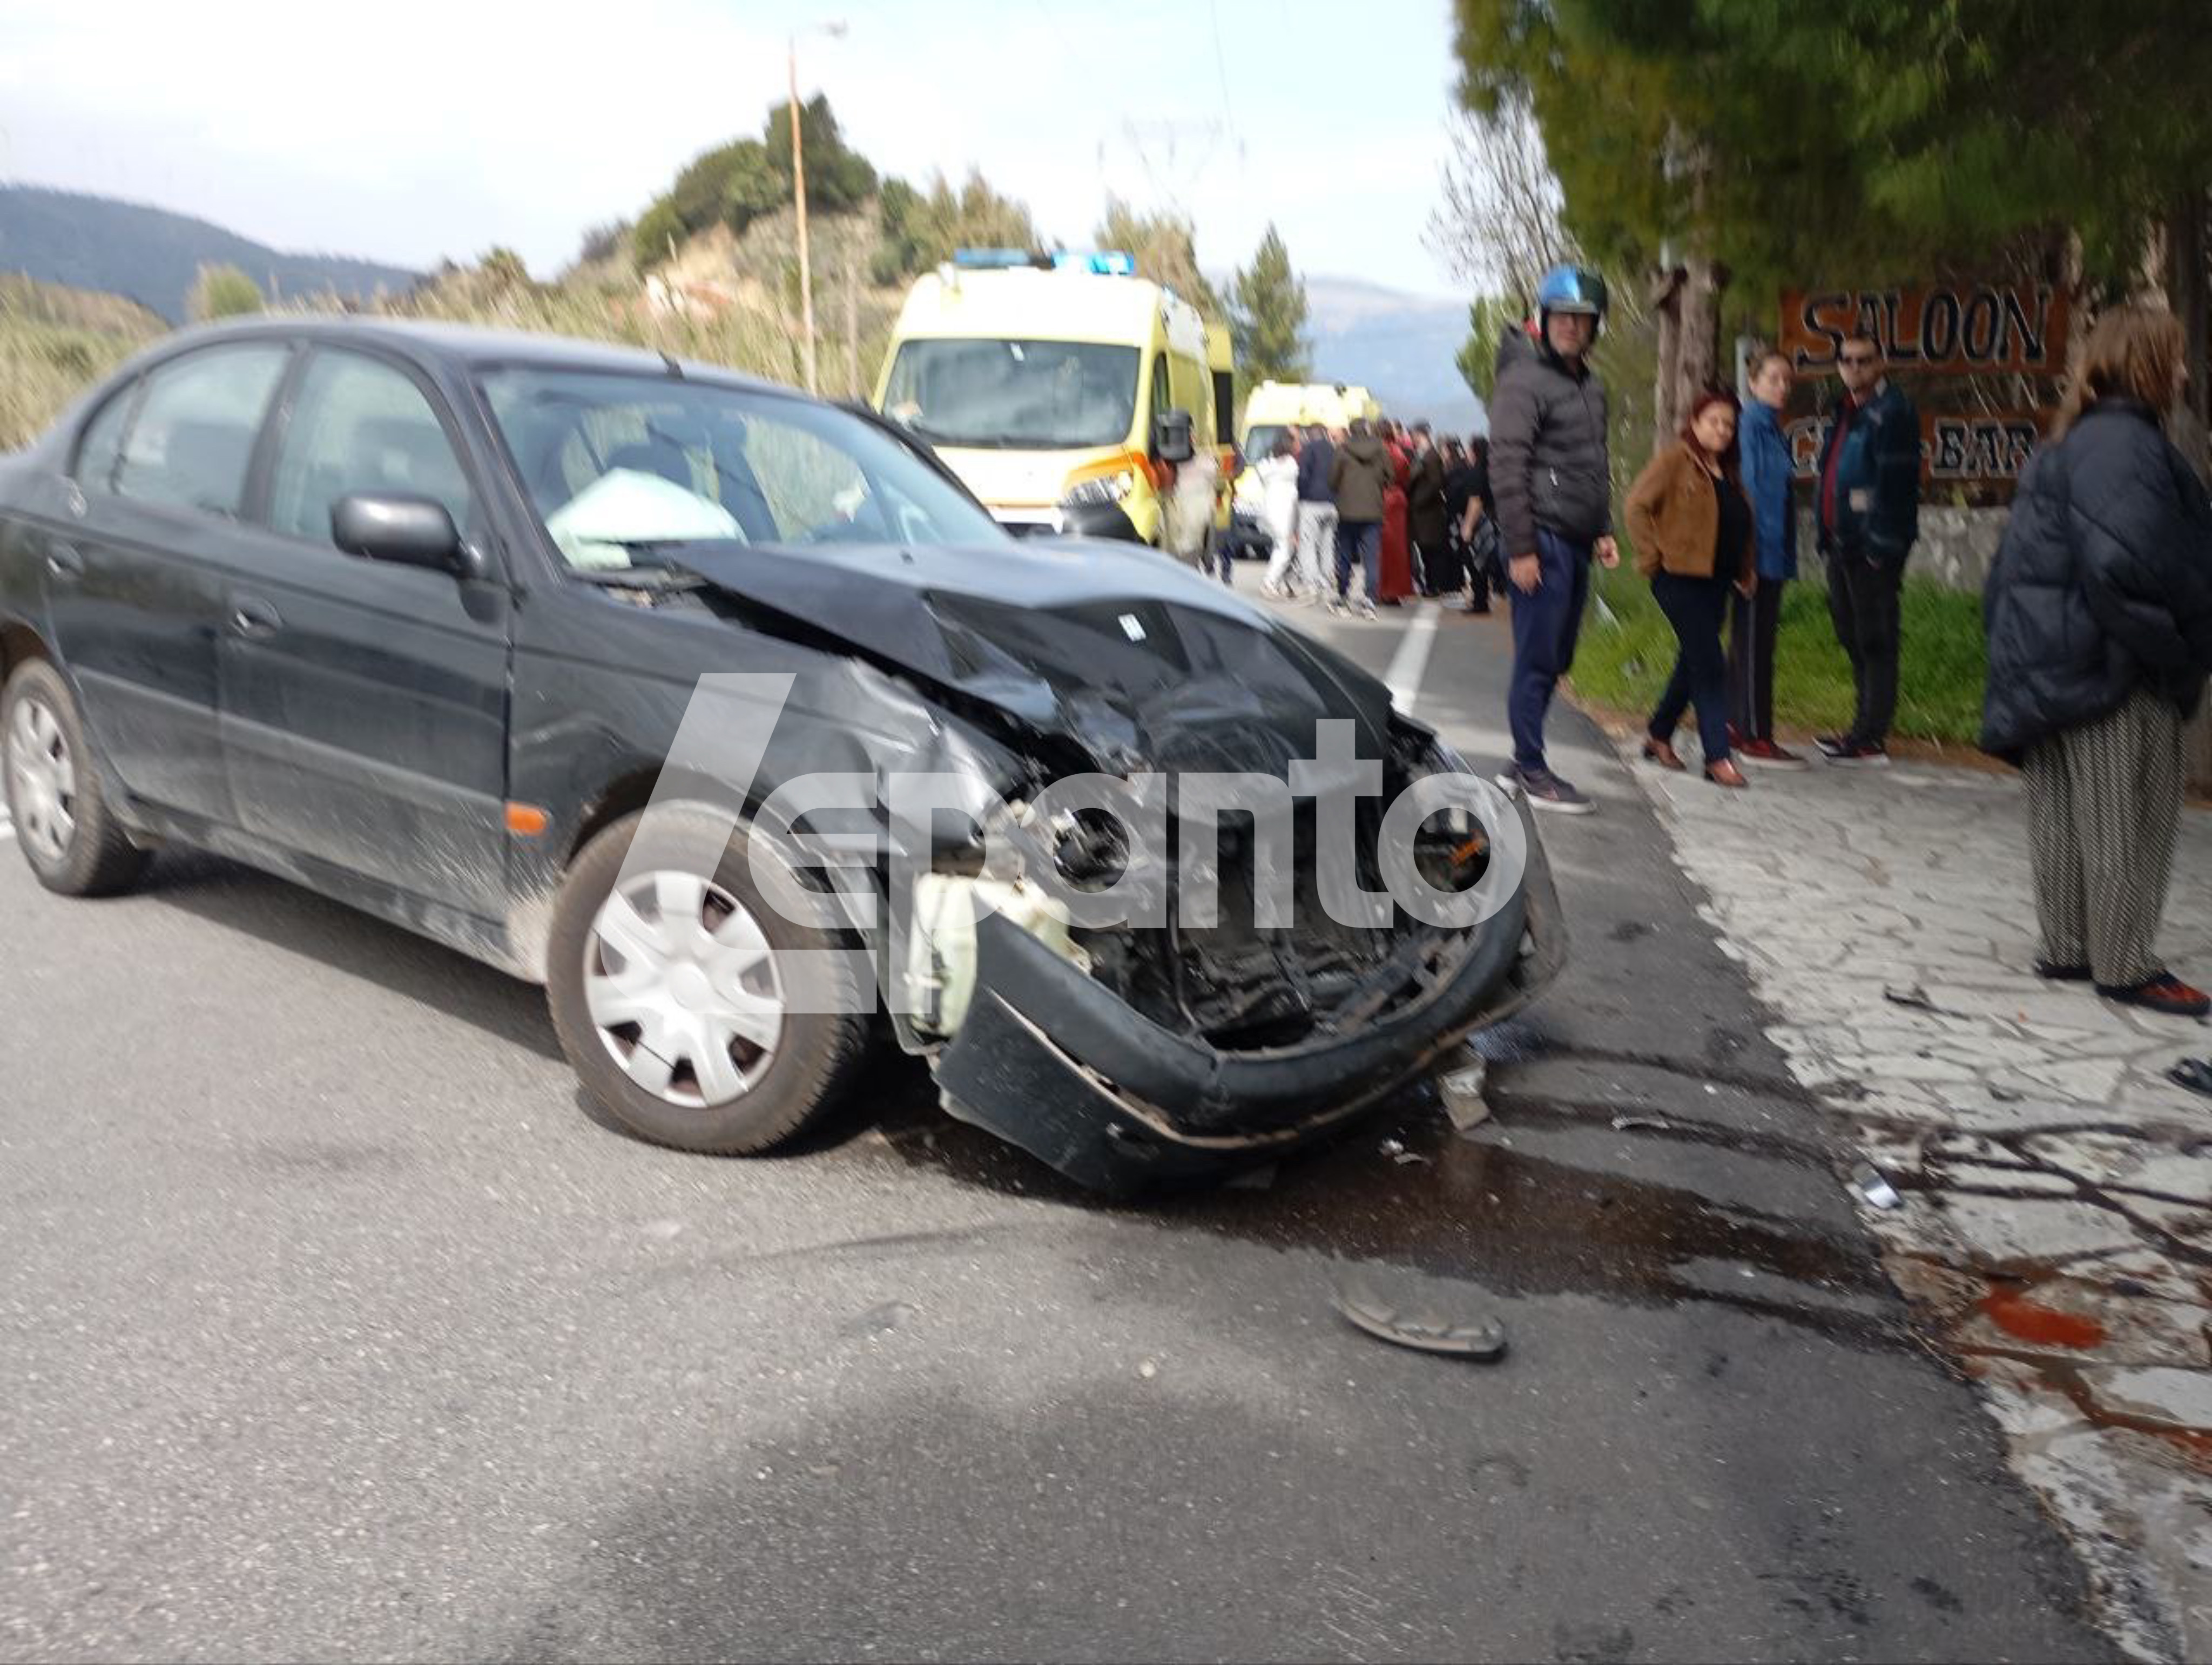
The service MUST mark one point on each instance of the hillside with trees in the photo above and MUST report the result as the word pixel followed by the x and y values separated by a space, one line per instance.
pixel 708 270
pixel 153 257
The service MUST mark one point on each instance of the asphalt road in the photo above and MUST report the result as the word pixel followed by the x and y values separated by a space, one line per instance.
pixel 336 1325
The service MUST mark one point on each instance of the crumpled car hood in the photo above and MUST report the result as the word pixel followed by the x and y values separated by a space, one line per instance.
pixel 1143 663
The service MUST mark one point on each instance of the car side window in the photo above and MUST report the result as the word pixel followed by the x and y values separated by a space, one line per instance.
pixel 194 438
pixel 102 446
pixel 360 424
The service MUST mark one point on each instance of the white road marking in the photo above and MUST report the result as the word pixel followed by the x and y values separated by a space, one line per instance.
pixel 1411 662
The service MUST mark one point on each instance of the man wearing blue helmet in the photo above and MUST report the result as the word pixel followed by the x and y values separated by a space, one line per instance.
pixel 1549 479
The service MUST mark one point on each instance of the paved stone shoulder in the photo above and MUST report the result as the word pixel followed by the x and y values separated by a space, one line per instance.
pixel 2052 1218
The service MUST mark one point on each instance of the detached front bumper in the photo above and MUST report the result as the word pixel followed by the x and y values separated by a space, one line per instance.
pixel 1054 1062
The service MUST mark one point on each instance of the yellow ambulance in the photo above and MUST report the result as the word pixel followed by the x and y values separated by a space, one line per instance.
pixel 1040 379
pixel 1275 408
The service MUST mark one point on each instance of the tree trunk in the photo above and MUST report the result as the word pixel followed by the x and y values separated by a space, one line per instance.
pixel 2189 292
pixel 1697 361
pixel 1667 315
pixel 2188 251
pixel 1688 307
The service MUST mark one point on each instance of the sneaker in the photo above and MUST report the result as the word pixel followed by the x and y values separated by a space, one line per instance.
pixel 1367 609
pixel 1829 744
pixel 1766 754
pixel 1274 592
pixel 1546 790
pixel 1861 754
pixel 1337 607
pixel 2165 993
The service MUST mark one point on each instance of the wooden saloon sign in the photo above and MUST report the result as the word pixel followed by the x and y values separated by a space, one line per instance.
pixel 1965 328
pixel 1954 448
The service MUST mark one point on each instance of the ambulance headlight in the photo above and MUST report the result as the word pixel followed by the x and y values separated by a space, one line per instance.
pixel 1103 489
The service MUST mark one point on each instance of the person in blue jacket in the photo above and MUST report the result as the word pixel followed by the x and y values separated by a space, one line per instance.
pixel 1763 457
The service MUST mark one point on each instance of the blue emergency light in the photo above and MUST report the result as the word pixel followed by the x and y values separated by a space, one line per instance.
pixel 1111 263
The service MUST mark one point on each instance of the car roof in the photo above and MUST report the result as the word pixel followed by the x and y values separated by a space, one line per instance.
pixel 467 347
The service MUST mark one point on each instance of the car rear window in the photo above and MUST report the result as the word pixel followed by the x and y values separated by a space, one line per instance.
pixel 192 439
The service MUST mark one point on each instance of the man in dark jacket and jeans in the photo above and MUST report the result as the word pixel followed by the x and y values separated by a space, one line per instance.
pixel 1359 476
pixel 1554 497
pixel 1868 499
pixel 1315 537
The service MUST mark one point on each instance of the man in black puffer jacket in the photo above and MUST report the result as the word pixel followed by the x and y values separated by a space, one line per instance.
pixel 2099 613
pixel 1554 496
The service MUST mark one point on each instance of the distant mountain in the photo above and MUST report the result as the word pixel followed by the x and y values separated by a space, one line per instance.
pixel 1402 346
pixel 152 256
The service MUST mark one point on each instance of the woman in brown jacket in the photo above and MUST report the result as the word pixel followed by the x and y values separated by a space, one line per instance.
pixel 1692 529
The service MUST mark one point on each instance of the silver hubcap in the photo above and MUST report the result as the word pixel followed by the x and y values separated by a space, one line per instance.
pixel 683 989
pixel 41 780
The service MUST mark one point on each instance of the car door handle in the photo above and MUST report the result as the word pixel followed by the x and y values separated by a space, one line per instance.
pixel 253 617
pixel 63 561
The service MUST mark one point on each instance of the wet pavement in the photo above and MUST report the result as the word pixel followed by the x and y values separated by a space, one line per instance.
pixel 339 1325
pixel 2054 1213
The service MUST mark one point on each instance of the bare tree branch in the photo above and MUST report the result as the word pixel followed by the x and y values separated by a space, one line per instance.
pixel 1498 225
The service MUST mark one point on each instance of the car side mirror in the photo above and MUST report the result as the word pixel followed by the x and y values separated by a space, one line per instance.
pixel 404 531
pixel 1171 440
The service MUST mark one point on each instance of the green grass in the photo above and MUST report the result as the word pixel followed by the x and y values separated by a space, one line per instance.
pixel 43 366
pixel 1624 664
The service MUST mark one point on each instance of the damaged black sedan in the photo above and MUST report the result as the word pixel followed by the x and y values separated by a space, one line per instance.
pixel 730 718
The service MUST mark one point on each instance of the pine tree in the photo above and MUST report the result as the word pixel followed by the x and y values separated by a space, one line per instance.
pixel 1267 316
pixel 838 178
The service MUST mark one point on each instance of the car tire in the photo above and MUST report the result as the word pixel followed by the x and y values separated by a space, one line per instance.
pixel 57 804
pixel 675 997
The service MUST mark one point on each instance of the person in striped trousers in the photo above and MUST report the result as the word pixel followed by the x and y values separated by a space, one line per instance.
pixel 2099 611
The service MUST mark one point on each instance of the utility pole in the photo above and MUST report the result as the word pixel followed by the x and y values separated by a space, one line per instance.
pixel 853 327
pixel 798 197
pixel 799 201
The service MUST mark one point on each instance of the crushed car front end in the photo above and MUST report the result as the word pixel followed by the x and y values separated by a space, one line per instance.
pixel 1127 1074
pixel 1260 976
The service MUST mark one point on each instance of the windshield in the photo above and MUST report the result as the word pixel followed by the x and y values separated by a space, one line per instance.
pixel 1259 440
pixel 618 465
pixel 1014 395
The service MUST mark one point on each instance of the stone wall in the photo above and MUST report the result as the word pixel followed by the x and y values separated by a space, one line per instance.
pixel 1956 548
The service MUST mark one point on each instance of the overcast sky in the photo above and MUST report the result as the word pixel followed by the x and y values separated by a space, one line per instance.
pixel 411 129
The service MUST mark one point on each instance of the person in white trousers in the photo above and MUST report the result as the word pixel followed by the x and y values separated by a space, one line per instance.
pixel 1315 539
pixel 1278 508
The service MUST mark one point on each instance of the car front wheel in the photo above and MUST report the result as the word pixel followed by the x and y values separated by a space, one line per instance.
pixel 691 1007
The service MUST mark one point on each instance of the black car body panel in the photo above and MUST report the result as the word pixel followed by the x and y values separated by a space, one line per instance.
pixel 364 729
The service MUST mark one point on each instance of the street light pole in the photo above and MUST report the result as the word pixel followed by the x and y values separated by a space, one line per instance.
pixel 798 197
pixel 798 202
